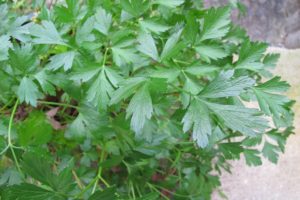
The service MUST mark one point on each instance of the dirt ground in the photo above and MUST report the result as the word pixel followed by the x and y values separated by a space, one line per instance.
pixel 269 181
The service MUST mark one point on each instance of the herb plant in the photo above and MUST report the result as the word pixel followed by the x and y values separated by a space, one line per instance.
pixel 132 99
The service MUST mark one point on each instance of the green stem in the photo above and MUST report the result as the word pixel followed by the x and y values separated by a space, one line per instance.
pixel 58 104
pixel 132 190
pixel 86 188
pixel 180 89
pixel 99 175
pixel 105 56
pixel 156 190
pixel 10 145
pixel 6 105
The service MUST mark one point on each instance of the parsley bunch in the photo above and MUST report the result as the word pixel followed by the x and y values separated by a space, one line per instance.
pixel 132 99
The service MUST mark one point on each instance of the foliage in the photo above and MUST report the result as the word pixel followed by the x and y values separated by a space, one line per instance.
pixel 132 99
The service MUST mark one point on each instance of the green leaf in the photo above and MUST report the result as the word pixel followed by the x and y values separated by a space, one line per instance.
pixel 252 157
pixel 172 46
pixel 272 103
pixel 238 118
pixel 197 118
pixel 27 191
pixel 45 33
pixel 211 52
pixel 22 59
pixel 216 23
pixel 64 60
pixel 45 80
pixel 106 194
pixel 170 3
pixel 270 60
pixel 250 55
pixel 85 74
pixel 34 130
pixel 191 29
pixel 123 56
pixel 190 86
pixel 84 33
pixel 226 86
pixel 99 92
pixel 126 89
pixel 153 26
pixel 28 91
pixel 201 69
pixel 167 73
pixel 135 7
pixel 270 152
pixel 19 29
pixel 68 13
pixel 147 46
pixel 103 21
pixel 140 108
pixel 5 45
pixel 39 167
pixel 88 121
pixel 231 150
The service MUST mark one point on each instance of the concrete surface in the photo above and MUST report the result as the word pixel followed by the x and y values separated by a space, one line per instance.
pixel 269 181
pixel 273 21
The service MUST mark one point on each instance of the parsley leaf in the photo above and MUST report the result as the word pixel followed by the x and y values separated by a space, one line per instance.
pixel 64 60
pixel 197 116
pixel 28 91
pixel 140 108
pixel 226 86
pixel 46 33
pixel 147 46
pixel 216 23
pixel 272 103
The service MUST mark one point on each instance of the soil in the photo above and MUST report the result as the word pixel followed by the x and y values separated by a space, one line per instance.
pixel 274 21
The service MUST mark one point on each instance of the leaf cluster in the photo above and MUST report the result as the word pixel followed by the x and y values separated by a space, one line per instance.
pixel 132 99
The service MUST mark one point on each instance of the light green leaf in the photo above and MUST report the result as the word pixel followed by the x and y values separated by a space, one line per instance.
pixel 126 89
pixel 238 118
pixel 171 44
pixel 252 157
pixel 28 91
pixel 211 52
pixel 169 3
pixel 227 86
pixel 45 81
pixel 192 87
pixel 135 7
pixel 272 103
pixel 216 23
pixel 250 55
pixel 271 152
pixel 85 74
pixel 99 92
pixel 45 33
pixel 201 69
pixel 147 46
pixel 84 32
pixel 103 21
pixel 197 118
pixel 5 45
pixel 140 108
pixel 152 26
pixel 64 60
